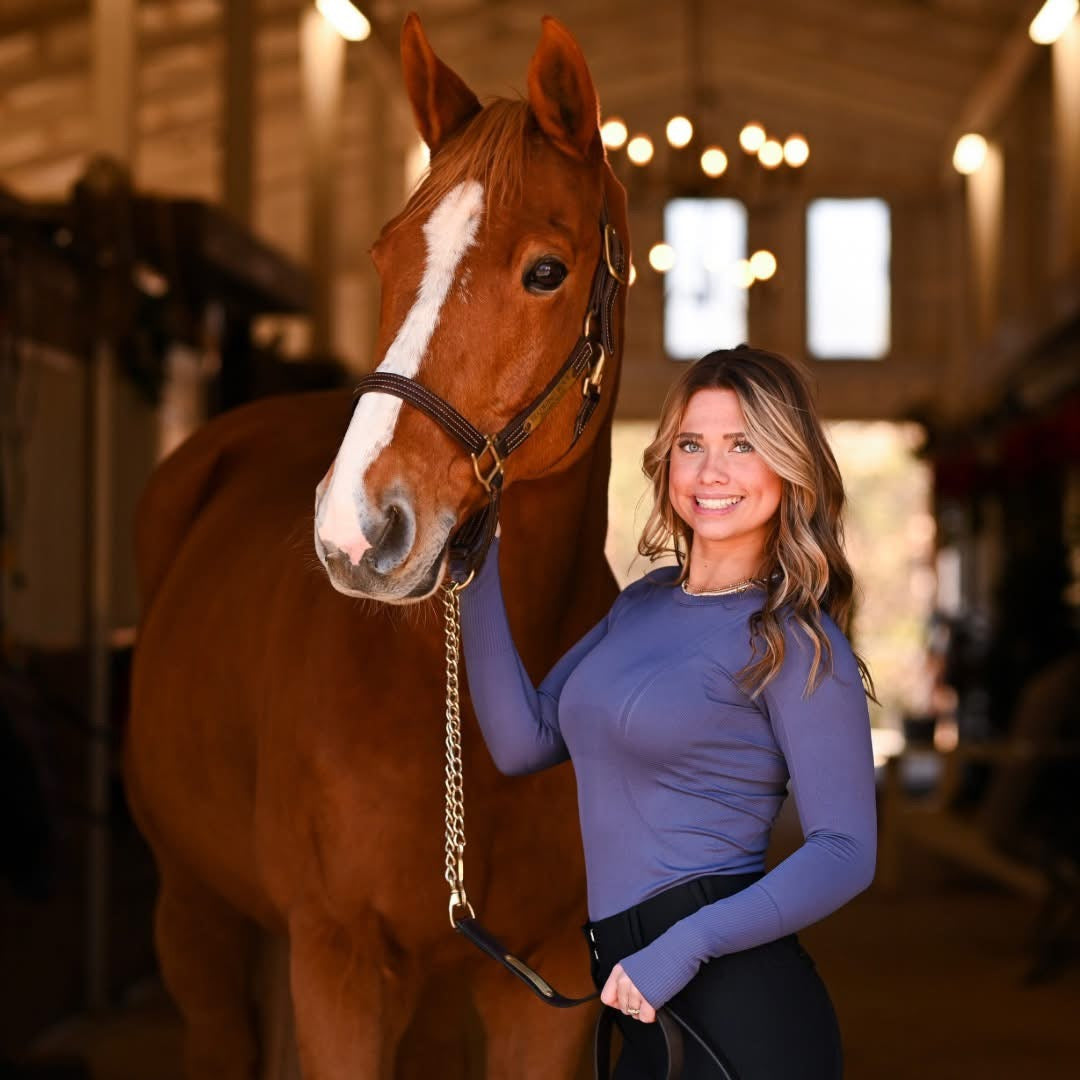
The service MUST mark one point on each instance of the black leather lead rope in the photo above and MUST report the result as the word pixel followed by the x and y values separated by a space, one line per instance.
pixel 488 943
pixel 673 1044
pixel 670 1023
pixel 671 1026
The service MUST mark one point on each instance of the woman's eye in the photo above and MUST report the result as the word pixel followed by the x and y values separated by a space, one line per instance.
pixel 690 445
pixel 545 276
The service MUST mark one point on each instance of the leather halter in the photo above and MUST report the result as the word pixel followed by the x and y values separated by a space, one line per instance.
pixel 469 544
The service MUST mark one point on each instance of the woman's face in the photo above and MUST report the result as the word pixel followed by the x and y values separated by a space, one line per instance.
pixel 712 463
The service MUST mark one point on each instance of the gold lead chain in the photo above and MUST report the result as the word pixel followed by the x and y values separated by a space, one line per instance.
pixel 455 795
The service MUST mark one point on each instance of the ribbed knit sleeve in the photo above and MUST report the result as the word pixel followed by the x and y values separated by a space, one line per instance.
pixel 826 743
pixel 520 722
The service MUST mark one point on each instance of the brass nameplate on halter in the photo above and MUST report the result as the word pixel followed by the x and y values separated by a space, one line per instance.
pixel 557 391
pixel 524 969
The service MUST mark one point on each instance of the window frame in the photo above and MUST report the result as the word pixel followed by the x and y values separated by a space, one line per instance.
pixel 827 358
pixel 667 292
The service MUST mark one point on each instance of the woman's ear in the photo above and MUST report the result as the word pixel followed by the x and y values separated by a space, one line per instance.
pixel 441 102
pixel 561 92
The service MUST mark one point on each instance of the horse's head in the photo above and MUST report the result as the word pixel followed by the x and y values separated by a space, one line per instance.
pixel 486 277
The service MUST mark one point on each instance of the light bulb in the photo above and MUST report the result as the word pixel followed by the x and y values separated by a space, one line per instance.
pixel 771 153
pixel 714 162
pixel 763 265
pixel 640 149
pixel 751 137
pixel 796 151
pixel 661 257
pixel 1050 23
pixel 345 18
pixel 679 131
pixel 970 153
pixel 613 133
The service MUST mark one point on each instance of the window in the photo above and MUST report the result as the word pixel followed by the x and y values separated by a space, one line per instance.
pixel 704 304
pixel 847 279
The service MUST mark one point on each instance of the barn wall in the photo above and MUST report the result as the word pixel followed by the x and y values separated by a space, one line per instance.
pixel 923 291
pixel 44 604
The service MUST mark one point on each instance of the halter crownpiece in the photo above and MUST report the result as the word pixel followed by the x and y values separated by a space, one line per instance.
pixel 469 544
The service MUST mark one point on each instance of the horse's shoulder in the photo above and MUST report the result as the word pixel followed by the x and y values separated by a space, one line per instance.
pixel 270 439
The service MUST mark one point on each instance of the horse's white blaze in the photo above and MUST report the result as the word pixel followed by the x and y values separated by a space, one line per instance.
pixel 448 234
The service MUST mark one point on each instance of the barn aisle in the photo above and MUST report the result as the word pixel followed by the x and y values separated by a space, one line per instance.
pixel 927 984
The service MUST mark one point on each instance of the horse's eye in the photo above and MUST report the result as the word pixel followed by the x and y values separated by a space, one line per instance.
pixel 545 276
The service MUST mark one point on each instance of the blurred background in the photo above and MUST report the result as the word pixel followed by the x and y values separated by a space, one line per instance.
pixel 888 189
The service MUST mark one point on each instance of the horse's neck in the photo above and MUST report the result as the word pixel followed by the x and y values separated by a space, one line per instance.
pixel 553 533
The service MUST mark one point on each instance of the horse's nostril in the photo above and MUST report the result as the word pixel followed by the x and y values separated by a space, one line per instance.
pixel 395 538
pixel 388 523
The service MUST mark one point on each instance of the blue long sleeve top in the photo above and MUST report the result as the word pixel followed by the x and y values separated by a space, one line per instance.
pixel 680 774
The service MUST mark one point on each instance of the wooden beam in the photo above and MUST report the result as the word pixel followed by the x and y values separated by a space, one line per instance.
pixel 113 77
pixel 322 61
pixel 239 112
pixel 997 86
pixel 151 44
pixel 39 16
pixel 985 202
pixel 766 39
pixel 621 93
pixel 113 83
pixel 1065 62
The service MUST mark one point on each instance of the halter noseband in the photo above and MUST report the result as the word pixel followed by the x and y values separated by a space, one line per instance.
pixel 469 544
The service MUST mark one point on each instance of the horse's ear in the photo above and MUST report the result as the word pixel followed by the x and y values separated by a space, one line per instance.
pixel 561 91
pixel 441 102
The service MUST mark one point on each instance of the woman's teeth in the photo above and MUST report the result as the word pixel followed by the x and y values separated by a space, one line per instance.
pixel 718 504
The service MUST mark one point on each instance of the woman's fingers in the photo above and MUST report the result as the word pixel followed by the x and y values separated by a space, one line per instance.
pixel 620 993
pixel 610 994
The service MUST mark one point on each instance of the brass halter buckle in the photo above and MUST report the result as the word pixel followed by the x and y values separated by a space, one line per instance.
pixel 496 469
pixel 596 373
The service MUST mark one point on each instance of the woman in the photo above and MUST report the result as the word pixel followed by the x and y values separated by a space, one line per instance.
pixel 686 710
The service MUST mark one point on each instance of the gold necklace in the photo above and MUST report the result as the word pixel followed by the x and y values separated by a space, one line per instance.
pixel 739 586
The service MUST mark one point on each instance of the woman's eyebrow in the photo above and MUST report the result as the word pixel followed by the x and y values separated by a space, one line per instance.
pixel 698 435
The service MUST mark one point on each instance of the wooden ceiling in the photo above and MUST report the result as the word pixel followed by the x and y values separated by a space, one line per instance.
pixel 877 86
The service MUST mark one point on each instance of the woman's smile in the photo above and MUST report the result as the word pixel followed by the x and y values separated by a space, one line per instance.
pixel 717 505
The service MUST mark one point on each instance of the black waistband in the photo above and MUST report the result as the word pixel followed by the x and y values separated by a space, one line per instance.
pixel 633 929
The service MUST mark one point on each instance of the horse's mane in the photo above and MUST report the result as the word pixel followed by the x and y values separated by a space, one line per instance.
pixel 491 148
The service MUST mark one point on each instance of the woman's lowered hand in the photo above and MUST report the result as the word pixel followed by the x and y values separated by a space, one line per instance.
pixel 620 993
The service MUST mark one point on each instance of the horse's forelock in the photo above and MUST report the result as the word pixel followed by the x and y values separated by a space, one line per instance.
pixel 490 149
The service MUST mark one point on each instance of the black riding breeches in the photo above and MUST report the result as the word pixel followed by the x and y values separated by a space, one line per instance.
pixel 765 1011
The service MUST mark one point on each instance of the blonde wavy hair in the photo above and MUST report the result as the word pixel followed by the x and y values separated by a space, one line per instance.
pixel 803 566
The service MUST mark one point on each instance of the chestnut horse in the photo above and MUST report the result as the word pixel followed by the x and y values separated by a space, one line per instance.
pixel 284 757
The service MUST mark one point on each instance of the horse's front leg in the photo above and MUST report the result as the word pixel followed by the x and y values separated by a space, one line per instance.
pixel 525 1038
pixel 351 1000
pixel 206 952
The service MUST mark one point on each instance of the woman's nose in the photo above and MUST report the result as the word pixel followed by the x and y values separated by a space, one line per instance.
pixel 714 469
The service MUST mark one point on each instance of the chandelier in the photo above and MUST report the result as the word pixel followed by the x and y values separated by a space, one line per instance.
pixel 756 143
